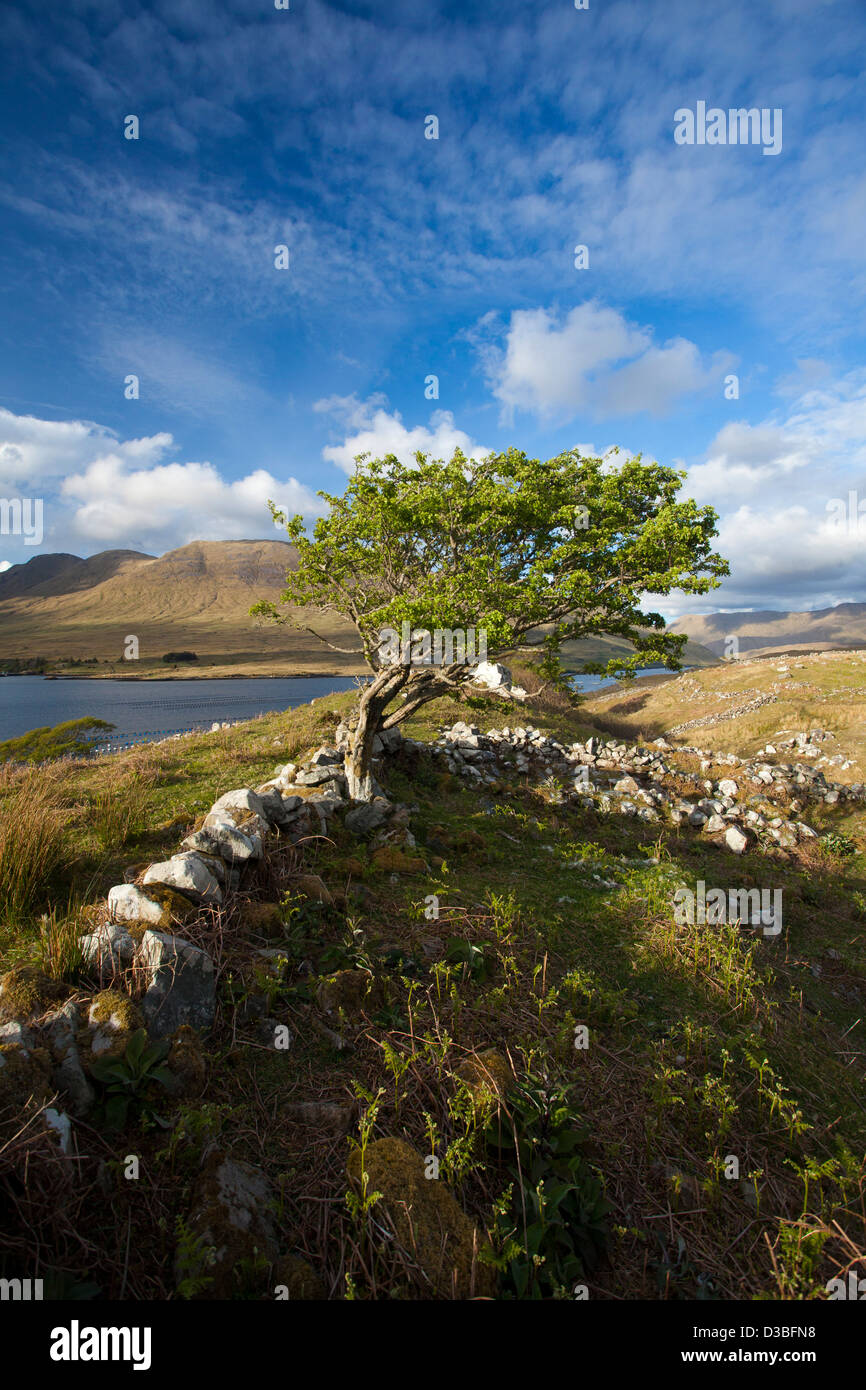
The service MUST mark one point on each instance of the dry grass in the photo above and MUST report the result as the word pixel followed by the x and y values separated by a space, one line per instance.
pixel 34 818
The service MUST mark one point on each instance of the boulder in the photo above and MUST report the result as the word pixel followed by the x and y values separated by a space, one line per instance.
pixel 736 839
pixel 241 799
pixel 488 1076
pixel 273 808
pixel 108 950
pixel 181 984
pixel 68 1074
pixel 431 1228
pixel 313 887
pixel 15 1034
pixel 189 874
pixel 112 1018
pixel 127 903
pixel 26 992
pixel 367 816
pixel 223 838
pixel 315 776
pixel 231 1226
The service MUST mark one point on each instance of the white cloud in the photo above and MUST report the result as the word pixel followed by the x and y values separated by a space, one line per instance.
pixel 103 492
pixel 174 503
pixel 791 493
pixel 371 429
pixel 33 451
pixel 591 361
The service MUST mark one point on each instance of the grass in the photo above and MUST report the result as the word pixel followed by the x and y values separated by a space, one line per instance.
pixel 825 690
pixel 719 1098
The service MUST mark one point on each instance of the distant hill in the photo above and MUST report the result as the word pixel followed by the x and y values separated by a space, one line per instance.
pixel 195 598
pixel 769 631
pixel 48 575
pixel 575 654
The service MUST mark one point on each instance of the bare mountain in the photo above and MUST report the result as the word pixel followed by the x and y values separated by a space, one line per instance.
pixel 195 598
pixel 48 575
pixel 768 631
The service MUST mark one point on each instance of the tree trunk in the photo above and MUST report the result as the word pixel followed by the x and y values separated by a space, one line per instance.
pixel 374 700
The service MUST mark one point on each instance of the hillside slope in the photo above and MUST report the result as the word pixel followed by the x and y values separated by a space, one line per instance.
pixel 195 598
pixel 768 630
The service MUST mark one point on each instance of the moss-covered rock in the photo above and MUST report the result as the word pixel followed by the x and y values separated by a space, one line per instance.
pixel 488 1076
pixel 392 859
pixel 354 993
pixel 229 1245
pixel 436 1235
pixel 112 1018
pixel 25 1079
pixel 296 1280
pixel 312 887
pixel 186 1062
pixel 262 919
pixel 175 907
pixel 26 992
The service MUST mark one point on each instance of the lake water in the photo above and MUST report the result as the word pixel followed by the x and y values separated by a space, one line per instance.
pixel 586 683
pixel 152 709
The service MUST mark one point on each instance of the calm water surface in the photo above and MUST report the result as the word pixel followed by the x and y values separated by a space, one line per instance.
pixel 152 709
pixel 147 709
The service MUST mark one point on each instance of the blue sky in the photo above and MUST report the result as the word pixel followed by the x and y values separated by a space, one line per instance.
pixel 412 257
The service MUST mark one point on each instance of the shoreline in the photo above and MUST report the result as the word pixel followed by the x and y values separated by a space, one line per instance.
pixel 201 676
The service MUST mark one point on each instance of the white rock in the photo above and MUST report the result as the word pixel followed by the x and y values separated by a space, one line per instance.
pixel 61 1125
pixel 127 903
pixel 241 799
pixel 223 838
pixel 491 675
pixel 188 874
pixel 736 840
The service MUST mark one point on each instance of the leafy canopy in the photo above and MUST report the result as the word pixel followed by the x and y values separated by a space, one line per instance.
pixel 557 550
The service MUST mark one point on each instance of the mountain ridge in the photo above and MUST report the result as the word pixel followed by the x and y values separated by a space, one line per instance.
pixel 768 630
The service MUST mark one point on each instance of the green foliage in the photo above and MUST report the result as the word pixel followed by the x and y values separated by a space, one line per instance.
pixel 192 1257
pixel 477 965
pixel 128 1079
pixel 498 545
pixel 177 657
pixel 551 1229
pixel 74 738
pixel 840 846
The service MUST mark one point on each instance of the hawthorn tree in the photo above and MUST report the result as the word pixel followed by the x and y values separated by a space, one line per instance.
pixel 506 545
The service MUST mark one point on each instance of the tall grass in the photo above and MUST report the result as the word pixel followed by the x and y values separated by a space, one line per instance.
pixel 33 842
pixel 119 806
